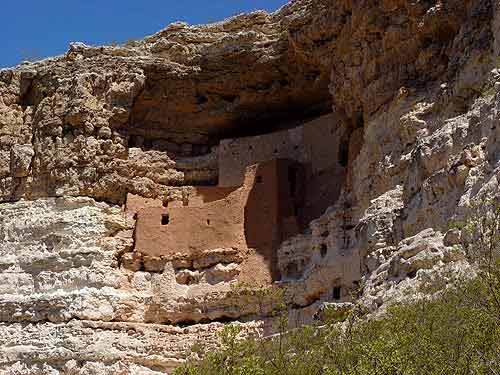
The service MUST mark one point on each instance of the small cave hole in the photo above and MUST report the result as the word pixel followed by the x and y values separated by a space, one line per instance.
pixel 360 121
pixel 312 76
pixel 292 180
pixel 201 99
pixel 348 227
pixel 412 274
pixel 292 270
pixel 27 98
pixel 344 154
pixel 336 293
pixel 323 250
pixel 208 221
pixel 426 42
pixel 148 144
pixel 229 98
pixel 135 141
pixel 165 219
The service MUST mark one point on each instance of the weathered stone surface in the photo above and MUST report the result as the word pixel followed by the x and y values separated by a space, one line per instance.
pixel 20 160
pixel 85 347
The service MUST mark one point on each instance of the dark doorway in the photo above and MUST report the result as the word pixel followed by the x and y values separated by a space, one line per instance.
pixel 336 293
pixel 165 219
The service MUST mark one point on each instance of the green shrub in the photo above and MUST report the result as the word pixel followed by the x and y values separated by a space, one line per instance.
pixel 455 332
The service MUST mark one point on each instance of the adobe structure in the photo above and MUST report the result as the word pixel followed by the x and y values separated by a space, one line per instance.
pixel 270 187
pixel 320 146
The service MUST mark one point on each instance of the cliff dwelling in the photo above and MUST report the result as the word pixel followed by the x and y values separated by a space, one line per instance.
pixel 269 188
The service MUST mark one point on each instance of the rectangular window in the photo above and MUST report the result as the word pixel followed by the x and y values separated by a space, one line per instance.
pixel 336 293
pixel 165 219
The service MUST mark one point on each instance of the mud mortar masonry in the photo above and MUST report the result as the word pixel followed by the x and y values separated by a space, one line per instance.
pixel 146 189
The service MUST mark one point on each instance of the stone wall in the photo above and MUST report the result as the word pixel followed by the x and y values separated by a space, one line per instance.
pixel 315 143
pixel 321 146
pixel 250 222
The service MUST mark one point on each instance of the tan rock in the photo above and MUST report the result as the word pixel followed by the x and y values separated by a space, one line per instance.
pixel 20 160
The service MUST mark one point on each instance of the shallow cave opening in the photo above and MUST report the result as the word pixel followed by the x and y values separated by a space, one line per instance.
pixel 344 153
pixel 156 142
pixel 138 141
pixel 201 99
pixel 323 250
pixel 197 111
pixel 292 270
pixel 264 121
pixel 229 98
pixel 360 120
pixel 292 180
pixel 28 94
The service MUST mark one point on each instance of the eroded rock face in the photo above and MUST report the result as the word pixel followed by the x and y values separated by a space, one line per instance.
pixel 414 91
pixel 65 298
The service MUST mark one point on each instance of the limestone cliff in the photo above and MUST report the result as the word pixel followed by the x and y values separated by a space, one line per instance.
pixel 144 187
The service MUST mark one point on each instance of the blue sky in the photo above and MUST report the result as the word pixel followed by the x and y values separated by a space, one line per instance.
pixel 42 28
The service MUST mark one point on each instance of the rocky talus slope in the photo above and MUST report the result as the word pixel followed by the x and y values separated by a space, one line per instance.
pixel 414 84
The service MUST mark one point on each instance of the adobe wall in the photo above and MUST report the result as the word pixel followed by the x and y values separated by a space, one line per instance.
pixel 321 146
pixel 235 155
pixel 253 220
pixel 270 210
pixel 316 144
pixel 191 229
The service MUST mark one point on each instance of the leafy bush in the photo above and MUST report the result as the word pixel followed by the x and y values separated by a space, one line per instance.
pixel 455 332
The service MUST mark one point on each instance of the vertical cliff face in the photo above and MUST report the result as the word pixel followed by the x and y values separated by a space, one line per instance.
pixel 137 194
